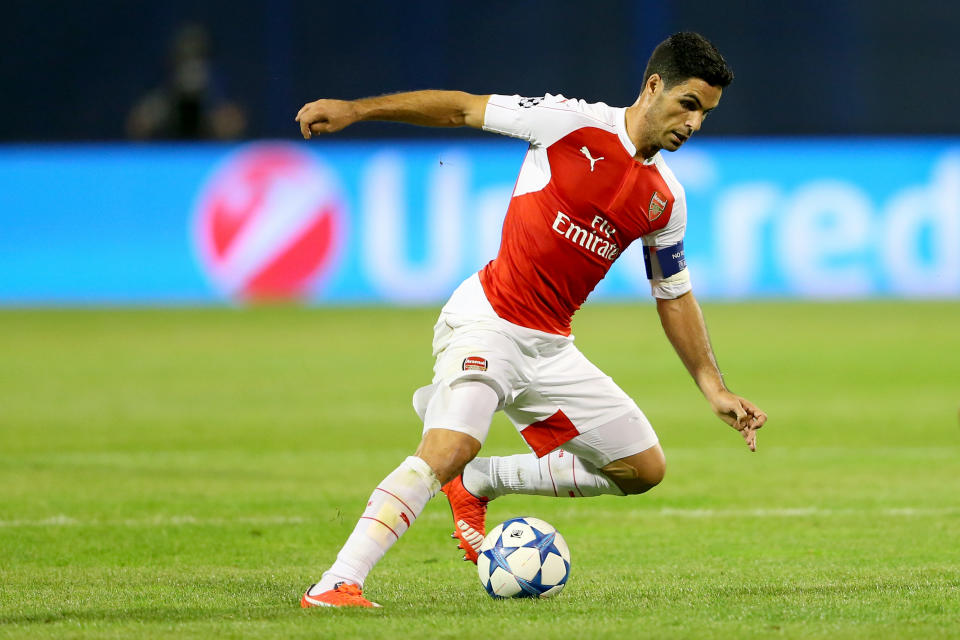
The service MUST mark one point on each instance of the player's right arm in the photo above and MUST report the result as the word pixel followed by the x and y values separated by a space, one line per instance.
pixel 683 323
pixel 428 108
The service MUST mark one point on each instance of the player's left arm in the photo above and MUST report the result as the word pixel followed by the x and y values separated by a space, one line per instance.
pixel 684 325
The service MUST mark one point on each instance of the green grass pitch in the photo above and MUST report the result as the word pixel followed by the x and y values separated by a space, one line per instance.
pixel 188 473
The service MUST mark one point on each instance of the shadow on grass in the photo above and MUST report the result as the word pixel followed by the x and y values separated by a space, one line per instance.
pixel 157 614
pixel 282 612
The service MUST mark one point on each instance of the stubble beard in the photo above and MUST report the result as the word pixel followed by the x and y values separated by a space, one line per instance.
pixel 651 140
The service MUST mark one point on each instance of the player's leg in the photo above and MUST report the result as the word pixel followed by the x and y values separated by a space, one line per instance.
pixel 618 456
pixel 467 408
pixel 391 509
pixel 637 473
pixel 472 352
pixel 456 421
pixel 581 469
pixel 466 405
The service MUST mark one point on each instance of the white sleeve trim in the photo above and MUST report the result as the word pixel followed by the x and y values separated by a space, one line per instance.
pixel 500 116
pixel 672 287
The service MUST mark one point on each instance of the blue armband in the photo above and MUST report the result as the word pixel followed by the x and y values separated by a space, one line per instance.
pixel 664 262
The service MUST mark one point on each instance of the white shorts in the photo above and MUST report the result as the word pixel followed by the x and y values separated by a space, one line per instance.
pixel 546 387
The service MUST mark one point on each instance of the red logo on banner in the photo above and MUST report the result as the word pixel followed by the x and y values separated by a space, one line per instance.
pixel 268 223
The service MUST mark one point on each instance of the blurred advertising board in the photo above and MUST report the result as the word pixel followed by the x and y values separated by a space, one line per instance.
pixel 404 223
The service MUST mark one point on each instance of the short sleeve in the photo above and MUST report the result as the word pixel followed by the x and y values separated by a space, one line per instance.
pixel 541 120
pixel 663 252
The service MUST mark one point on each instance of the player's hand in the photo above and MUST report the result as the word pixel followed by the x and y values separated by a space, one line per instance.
pixel 739 413
pixel 325 116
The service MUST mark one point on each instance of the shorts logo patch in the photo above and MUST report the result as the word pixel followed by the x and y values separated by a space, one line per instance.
pixel 474 363
pixel 658 202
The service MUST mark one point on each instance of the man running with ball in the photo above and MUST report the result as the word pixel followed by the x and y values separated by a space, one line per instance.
pixel 593 182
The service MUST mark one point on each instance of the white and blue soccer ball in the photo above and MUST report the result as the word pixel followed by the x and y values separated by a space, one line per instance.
pixel 523 558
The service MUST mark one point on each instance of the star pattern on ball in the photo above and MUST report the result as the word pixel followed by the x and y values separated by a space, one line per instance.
pixel 523 558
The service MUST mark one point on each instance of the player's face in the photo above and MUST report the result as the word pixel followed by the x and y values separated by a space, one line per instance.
pixel 679 111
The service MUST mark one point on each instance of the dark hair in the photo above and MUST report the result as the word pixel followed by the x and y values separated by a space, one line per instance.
pixel 688 55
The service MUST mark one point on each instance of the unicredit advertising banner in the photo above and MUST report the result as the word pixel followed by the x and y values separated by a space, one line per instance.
pixel 342 222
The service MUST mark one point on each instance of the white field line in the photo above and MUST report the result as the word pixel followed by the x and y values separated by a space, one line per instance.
pixel 668 512
pixel 805 512
pixel 155 521
pixel 787 512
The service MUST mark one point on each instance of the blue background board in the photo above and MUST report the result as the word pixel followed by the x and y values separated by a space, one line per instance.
pixel 822 218
pixel 817 218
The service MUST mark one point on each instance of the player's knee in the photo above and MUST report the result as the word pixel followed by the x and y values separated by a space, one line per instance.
pixel 638 473
pixel 646 479
pixel 456 421
pixel 651 475
pixel 447 452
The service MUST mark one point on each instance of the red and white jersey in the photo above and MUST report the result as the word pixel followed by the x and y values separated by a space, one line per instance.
pixel 580 200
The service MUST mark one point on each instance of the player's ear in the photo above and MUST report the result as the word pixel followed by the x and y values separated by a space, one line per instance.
pixel 654 84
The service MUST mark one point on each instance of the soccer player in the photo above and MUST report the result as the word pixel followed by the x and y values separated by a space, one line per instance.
pixel 593 181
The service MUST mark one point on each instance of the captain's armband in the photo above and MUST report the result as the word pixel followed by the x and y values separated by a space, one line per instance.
pixel 667 270
pixel 664 262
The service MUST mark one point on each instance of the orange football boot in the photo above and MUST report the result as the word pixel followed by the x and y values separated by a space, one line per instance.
pixel 469 517
pixel 342 595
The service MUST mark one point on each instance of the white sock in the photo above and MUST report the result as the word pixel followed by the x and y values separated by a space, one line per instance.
pixel 559 473
pixel 392 508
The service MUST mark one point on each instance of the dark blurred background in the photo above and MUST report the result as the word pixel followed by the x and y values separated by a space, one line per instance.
pixel 118 69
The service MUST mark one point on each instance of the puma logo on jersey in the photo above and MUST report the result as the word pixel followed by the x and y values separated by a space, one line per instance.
pixel 592 160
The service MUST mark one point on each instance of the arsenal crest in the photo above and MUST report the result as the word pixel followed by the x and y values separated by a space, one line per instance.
pixel 658 202
pixel 474 363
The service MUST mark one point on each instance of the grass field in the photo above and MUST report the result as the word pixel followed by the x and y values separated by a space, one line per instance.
pixel 188 473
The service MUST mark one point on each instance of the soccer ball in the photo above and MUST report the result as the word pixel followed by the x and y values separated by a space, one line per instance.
pixel 523 558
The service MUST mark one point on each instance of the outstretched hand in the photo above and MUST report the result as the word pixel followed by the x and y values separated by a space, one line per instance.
pixel 325 116
pixel 739 413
